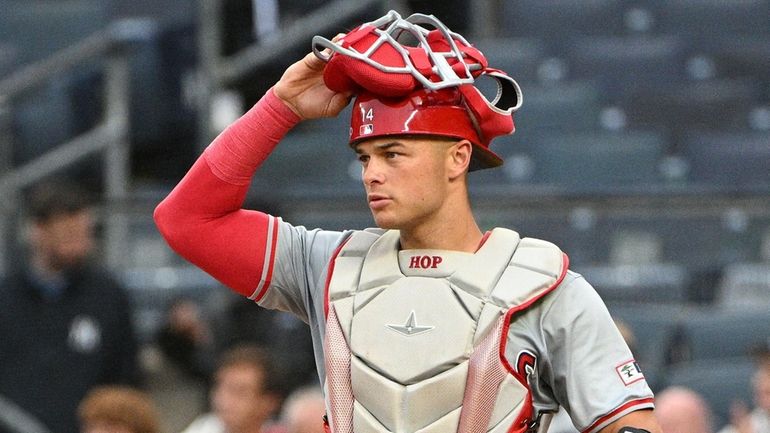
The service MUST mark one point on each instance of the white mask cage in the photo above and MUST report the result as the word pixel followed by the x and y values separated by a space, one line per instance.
pixel 389 28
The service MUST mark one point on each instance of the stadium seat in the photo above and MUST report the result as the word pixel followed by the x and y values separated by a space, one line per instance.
pixel 310 164
pixel 521 58
pixel 718 334
pixel 645 283
pixel 717 104
pixel 744 286
pixel 696 241
pixel 571 230
pixel 737 56
pixel 561 19
pixel 747 17
pixel 623 65
pixel 597 161
pixel 41 28
pixel 561 106
pixel 719 382
pixel 729 160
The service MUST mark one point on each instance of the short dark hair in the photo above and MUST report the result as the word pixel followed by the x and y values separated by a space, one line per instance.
pixel 57 197
pixel 257 358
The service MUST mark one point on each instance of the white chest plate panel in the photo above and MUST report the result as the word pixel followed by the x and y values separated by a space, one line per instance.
pixel 414 337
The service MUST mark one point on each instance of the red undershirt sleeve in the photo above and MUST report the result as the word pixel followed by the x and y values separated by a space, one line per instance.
pixel 202 218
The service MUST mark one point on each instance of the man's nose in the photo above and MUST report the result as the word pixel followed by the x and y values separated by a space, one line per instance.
pixel 372 172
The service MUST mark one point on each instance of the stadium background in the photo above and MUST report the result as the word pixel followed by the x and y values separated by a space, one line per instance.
pixel 642 147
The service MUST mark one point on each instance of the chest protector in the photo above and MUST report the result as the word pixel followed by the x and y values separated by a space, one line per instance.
pixel 415 340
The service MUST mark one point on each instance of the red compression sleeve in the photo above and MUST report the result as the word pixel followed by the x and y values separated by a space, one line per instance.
pixel 202 219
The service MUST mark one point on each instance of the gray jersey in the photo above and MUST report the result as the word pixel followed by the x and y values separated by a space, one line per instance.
pixel 567 342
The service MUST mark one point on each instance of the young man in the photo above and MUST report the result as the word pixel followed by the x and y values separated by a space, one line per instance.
pixel 244 396
pixel 66 323
pixel 425 324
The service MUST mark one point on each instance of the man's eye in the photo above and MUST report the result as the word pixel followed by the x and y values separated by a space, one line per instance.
pixel 390 155
pixel 363 158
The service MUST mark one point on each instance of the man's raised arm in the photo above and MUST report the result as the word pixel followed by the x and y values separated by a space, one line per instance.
pixel 202 218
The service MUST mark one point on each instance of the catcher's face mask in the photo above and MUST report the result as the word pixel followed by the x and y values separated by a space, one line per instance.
pixel 425 88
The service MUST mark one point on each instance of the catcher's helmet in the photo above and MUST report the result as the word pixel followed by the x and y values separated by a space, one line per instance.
pixel 426 89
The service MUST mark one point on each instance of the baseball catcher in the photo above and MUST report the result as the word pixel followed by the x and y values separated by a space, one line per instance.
pixel 425 323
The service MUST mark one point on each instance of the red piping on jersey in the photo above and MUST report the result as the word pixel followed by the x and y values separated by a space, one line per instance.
pixel 620 409
pixel 526 413
pixel 269 277
pixel 329 273
pixel 483 240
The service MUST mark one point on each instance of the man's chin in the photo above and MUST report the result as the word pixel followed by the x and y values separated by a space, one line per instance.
pixel 385 223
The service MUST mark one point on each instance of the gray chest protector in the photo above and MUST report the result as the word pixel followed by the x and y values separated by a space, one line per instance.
pixel 415 340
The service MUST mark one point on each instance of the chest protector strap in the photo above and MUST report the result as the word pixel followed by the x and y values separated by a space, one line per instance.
pixel 415 340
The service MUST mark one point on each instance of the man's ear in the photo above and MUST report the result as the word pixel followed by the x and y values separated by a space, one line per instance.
pixel 459 158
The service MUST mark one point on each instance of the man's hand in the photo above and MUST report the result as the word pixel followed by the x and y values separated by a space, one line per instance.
pixel 302 88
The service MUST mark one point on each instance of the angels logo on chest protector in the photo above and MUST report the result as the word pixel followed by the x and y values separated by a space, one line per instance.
pixel 419 348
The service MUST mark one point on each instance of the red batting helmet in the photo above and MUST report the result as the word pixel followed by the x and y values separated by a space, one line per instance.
pixel 425 89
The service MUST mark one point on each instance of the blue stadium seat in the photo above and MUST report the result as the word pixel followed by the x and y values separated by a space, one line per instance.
pixel 622 65
pixel 521 58
pixel 561 19
pixel 744 286
pixel 719 382
pixel 729 160
pixel 568 230
pixel 557 106
pixel 597 161
pixel 747 17
pixel 710 105
pixel 696 241
pixel 736 56
pixel 310 164
pixel 657 283
pixel 720 334
pixel 41 28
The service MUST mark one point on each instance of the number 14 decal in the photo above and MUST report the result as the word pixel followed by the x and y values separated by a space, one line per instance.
pixel 367 115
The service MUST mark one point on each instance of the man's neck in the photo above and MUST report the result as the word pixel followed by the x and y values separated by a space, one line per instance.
pixel 451 229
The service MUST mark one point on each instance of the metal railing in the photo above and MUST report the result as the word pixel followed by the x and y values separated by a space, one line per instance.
pixel 217 71
pixel 109 137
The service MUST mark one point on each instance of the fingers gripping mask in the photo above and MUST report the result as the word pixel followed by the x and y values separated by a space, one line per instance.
pixel 392 58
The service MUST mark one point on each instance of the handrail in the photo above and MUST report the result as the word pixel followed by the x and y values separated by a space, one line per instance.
pixel 219 72
pixel 109 137
pixel 36 74
pixel 301 31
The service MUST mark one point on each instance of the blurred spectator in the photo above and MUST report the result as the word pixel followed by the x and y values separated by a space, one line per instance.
pixel 179 363
pixel 66 324
pixel 245 396
pixel 185 339
pixel 758 420
pixel 303 411
pixel 681 410
pixel 117 409
pixel 286 337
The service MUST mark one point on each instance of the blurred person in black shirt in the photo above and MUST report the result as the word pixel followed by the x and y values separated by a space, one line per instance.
pixel 65 325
